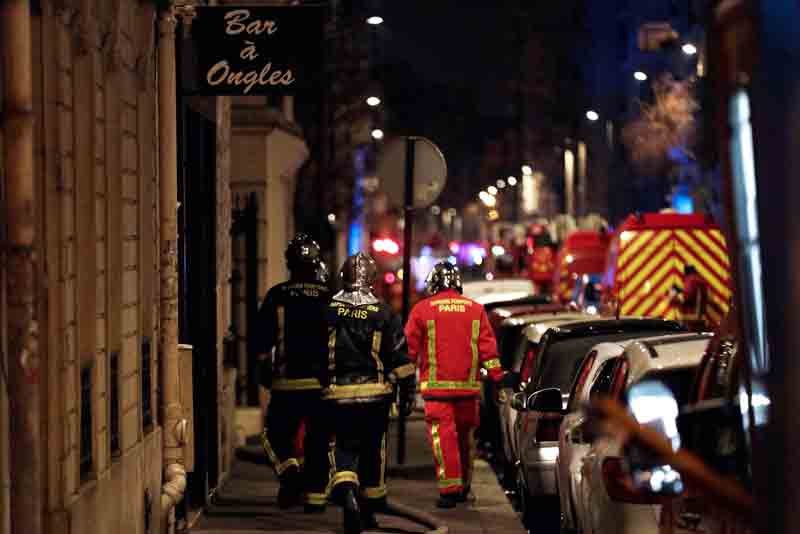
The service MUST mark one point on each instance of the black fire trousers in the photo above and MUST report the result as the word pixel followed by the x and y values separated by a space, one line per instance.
pixel 287 411
pixel 360 452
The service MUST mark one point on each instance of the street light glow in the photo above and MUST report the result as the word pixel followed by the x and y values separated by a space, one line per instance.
pixel 377 134
pixel 526 169
pixel 501 184
pixel 639 75
pixel 689 49
pixel 492 190
pixel 331 218
pixel 512 181
pixel 375 20
pixel 592 115
pixel 373 101
pixel 487 199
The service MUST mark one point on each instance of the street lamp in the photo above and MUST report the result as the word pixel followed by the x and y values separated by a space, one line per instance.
pixel 639 75
pixel 689 49
pixel 373 101
pixel 592 115
pixel 375 20
pixel 501 184
pixel 526 169
pixel 377 134
pixel 492 190
pixel 512 181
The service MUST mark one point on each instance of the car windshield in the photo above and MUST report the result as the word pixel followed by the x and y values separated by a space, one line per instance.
pixel 679 381
pixel 562 359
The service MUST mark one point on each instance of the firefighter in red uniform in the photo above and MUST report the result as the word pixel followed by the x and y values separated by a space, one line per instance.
pixel 450 339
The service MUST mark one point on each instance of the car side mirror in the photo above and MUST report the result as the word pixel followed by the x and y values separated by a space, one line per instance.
pixel 546 400
pixel 518 401
pixel 653 405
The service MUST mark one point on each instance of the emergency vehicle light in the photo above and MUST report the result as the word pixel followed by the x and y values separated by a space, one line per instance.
pixel 386 245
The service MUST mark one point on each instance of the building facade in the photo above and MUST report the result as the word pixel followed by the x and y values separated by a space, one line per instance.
pixel 118 411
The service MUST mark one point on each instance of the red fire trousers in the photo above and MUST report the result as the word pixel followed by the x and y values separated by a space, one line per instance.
pixel 451 429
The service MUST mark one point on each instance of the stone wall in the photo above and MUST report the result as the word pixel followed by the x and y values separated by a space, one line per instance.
pixel 97 182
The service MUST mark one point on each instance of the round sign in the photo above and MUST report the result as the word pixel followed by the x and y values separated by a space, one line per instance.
pixel 430 171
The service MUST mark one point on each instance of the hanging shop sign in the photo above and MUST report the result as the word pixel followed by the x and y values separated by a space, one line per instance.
pixel 245 50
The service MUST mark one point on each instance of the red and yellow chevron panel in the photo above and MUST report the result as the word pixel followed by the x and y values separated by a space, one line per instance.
pixel 651 263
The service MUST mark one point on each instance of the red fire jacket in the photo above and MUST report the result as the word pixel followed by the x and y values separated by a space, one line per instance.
pixel 449 338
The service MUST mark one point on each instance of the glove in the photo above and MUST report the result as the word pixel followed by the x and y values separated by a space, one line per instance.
pixel 408 395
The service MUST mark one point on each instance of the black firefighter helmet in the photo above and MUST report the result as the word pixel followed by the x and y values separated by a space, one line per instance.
pixel 359 273
pixel 443 276
pixel 303 254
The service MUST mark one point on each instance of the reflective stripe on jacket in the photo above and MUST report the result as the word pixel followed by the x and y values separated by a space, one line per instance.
pixel 450 339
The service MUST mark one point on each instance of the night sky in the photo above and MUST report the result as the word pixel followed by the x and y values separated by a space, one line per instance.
pixel 446 65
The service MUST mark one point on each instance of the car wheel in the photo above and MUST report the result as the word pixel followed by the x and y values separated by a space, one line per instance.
pixel 524 501
pixel 540 515
pixel 508 474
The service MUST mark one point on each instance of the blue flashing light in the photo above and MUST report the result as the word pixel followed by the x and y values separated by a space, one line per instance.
pixel 426 251
pixel 682 201
pixel 354 238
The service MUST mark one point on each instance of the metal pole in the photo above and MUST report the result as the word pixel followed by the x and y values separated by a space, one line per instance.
pixel 407 235
pixel 23 362
pixel 251 288
pixel 174 486
pixel 569 181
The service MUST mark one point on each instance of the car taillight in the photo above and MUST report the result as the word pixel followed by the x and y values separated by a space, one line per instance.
pixel 547 428
pixel 619 485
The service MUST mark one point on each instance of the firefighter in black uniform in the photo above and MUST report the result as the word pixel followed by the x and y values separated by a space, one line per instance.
pixel 292 322
pixel 367 361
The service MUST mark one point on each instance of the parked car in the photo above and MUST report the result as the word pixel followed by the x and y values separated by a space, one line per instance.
pixel 502 290
pixel 573 444
pixel 544 376
pixel 606 502
pixel 524 348
pixel 488 435
pixel 520 338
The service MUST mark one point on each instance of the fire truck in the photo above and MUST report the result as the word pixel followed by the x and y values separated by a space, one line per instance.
pixel 583 253
pixel 647 264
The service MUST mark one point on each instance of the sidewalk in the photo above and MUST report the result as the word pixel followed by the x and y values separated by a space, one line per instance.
pixel 246 503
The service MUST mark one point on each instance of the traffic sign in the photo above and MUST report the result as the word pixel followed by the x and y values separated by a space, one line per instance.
pixel 429 171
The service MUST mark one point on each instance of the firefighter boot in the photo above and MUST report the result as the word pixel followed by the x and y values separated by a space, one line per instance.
pixel 465 496
pixel 368 510
pixel 352 512
pixel 447 501
pixel 290 493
